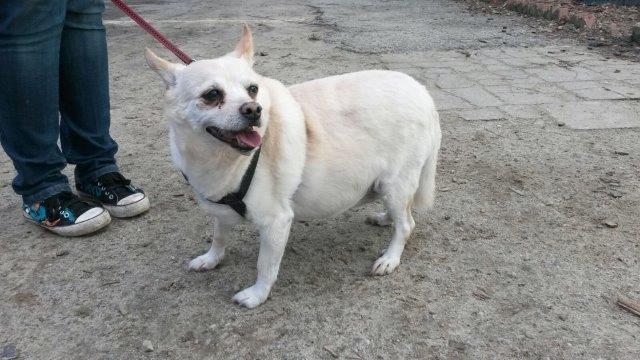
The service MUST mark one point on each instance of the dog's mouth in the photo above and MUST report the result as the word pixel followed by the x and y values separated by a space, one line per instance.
pixel 243 140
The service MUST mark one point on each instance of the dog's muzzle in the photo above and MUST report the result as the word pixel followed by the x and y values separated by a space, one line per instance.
pixel 244 140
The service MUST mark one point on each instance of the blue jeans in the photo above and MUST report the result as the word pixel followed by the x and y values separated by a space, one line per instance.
pixel 54 85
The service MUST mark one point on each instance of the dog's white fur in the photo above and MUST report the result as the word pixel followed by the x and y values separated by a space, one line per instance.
pixel 328 145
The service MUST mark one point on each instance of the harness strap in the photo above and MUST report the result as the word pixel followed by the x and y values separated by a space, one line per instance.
pixel 235 199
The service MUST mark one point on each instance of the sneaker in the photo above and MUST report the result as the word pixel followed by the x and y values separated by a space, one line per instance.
pixel 116 194
pixel 67 215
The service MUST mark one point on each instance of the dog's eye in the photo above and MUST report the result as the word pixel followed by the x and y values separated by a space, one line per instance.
pixel 252 89
pixel 212 95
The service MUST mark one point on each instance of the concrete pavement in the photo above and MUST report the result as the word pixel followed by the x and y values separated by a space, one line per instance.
pixel 570 84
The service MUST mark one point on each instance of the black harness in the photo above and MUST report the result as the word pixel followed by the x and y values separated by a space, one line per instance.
pixel 235 199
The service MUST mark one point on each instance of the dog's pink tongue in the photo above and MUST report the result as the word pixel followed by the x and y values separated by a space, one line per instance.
pixel 251 138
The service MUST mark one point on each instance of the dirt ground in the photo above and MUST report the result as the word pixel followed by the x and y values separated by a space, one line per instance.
pixel 611 33
pixel 515 260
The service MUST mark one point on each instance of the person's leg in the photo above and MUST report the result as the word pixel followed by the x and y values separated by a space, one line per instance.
pixel 84 110
pixel 84 92
pixel 30 34
pixel 29 123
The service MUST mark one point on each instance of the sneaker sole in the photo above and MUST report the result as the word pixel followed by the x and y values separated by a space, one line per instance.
pixel 129 210
pixel 123 211
pixel 84 228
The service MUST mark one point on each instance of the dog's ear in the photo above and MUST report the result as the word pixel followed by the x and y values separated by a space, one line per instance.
pixel 244 49
pixel 165 69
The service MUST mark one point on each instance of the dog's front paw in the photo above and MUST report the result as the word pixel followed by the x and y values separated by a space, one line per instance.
pixel 385 264
pixel 205 262
pixel 251 297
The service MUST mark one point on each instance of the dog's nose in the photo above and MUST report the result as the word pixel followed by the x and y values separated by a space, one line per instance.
pixel 251 111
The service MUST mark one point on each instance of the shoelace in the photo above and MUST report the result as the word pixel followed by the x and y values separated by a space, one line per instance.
pixel 113 180
pixel 56 203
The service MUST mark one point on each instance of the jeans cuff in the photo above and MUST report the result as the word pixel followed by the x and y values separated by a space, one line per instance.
pixel 46 193
pixel 92 176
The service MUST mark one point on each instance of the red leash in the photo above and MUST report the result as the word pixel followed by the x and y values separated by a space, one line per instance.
pixel 152 31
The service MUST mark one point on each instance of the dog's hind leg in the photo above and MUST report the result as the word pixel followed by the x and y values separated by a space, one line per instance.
pixel 214 256
pixel 398 205
pixel 380 219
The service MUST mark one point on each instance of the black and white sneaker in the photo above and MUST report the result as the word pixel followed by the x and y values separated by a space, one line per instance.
pixel 67 215
pixel 116 194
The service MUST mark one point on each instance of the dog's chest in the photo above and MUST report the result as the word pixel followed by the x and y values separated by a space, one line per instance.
pixel 208 176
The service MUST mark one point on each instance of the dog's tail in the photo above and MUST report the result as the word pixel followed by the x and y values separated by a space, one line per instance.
pixel 424 197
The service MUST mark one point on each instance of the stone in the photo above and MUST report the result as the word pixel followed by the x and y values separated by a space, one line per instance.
pixel 9 352
pixel 147 345
pixel 635 33
pixel 62 253
pixel 122 309
pixel 188 336
pixel 83 311
pixel 610 224
pixel 457 345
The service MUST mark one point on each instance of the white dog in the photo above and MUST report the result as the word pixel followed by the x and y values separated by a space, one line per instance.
pixel 317 148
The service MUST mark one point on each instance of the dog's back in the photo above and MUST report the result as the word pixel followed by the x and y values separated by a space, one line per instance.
pixel 366 131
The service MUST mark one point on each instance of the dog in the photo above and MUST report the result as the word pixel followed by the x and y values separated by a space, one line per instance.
pixel 325 146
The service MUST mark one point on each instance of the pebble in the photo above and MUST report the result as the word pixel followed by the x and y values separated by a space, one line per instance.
pixel 560 123
pixel 610 224
pixel 635 33
pixel 62 252
pixel 9 352
pixel 615 194
pixel 83 311
pixel 122 309
pixel 188 336
pixel 457 345
pixel 147 345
